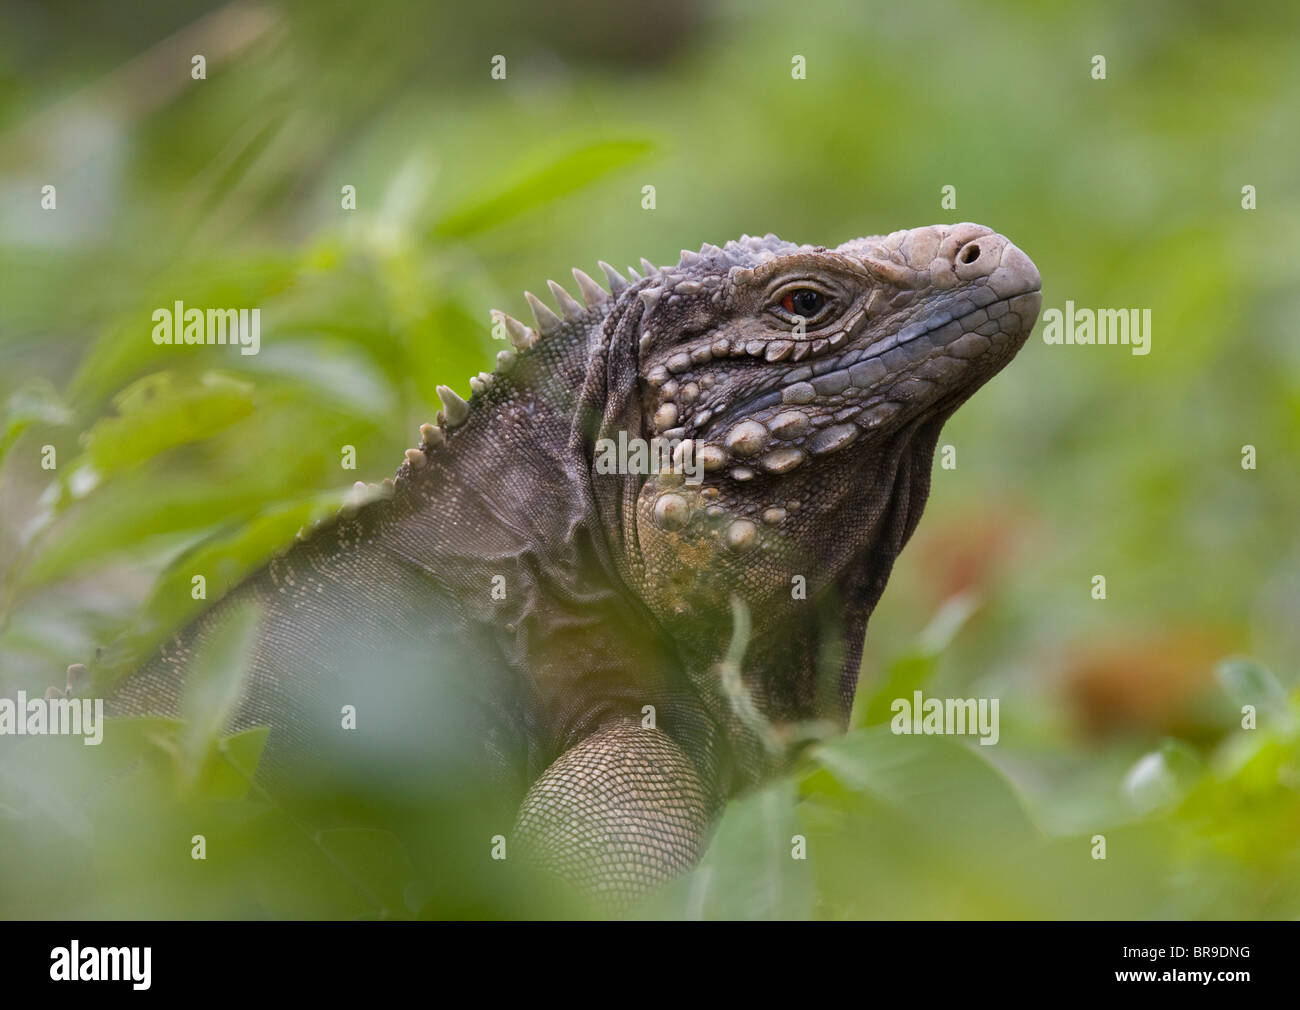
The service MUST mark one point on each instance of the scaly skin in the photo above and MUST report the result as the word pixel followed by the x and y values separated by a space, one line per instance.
pixel 617 591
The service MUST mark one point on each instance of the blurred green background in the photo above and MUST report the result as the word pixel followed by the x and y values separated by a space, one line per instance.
pixel 1119 717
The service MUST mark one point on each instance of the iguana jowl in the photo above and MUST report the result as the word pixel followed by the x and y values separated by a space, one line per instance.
pixel 809 383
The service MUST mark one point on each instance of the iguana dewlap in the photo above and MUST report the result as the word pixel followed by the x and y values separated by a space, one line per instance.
pixel 581 618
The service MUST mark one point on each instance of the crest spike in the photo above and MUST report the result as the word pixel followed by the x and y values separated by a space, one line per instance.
pixel 431 435
pixel 547 321
pixel 453 407
pixel 592 293
pixel 521 336
pixel 570 306
pixel 617 282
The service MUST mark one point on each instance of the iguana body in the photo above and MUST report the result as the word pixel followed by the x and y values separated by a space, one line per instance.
pixel 564 600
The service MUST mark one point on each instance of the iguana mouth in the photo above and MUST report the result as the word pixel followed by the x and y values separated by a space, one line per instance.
pixel 855 386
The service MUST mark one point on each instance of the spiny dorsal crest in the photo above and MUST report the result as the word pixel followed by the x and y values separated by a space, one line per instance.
pixel 744 253
pixel 456 410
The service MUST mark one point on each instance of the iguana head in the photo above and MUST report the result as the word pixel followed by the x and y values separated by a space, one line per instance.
pixel 805 388
pixel 800 391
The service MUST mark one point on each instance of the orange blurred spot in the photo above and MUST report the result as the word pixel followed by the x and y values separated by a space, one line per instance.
pixel 967 553
pixel 1150 683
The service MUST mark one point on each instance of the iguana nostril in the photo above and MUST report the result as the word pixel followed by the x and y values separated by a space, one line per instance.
pixel 971 253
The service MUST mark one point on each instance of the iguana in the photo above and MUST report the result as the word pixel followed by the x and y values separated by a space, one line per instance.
pixel 629 648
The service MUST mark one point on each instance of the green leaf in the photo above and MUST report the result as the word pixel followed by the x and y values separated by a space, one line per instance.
pixel 1161 778
pixel 230 555
pixel 377 860
pixel 158 413
pixel 537 184
pixel 947 622
pixel 931 779
pixel 329 371
pixel 122 519
pixel 215 684
pixel 905 673
pixel 128 740
pixel 125 349
pixel 227 775
pixel 749 870
pixel 34 402
pixel 914 668
pixel 224 558
pixel 1250 683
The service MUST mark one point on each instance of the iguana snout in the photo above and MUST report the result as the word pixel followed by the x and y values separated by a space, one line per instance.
pixel 952 305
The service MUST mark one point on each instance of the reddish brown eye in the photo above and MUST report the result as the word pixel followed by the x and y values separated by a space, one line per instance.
pixel 803 302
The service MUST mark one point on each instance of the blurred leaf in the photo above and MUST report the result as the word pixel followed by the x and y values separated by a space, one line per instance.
pixel 377 859
pixel 35 401
pixel 537 184
pixel 748 871
pixel 125 349
pixel 945 625
pixel 227 774
pixel 232 553
pixel 214 685
pixel 407 194
pixel 905 674
pixel 339 376
pixel 158 413
pixel 1162 777
pixel 224 559
pixel 126 742
pixel 1251 683
pixel 113 523
pixel 912 669
pixel 932 778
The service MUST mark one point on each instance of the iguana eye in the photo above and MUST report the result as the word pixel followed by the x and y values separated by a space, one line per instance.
pixel 803 302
